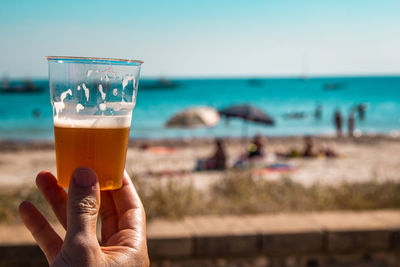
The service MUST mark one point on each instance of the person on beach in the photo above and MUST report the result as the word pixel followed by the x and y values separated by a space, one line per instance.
pixel 328 152
pixel 351 123
pixel 308 151
pixel 217 161
pixel 256 148
pixel 338 121
pixel 123 227
pixel 254 153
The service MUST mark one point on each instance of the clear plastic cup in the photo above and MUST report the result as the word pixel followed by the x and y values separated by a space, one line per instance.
pixel 93 100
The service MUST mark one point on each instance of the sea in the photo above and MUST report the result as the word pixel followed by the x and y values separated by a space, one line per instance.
pixel 291 102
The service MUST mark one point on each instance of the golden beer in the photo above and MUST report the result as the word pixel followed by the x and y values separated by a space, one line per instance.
pixel 92 100
pixel 101 148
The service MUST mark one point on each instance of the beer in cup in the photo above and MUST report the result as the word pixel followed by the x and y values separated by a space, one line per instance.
pixel 93 100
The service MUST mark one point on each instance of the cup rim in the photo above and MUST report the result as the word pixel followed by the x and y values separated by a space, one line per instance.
pixel 94 60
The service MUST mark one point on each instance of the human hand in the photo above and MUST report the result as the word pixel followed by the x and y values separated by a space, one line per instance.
pixel 123 228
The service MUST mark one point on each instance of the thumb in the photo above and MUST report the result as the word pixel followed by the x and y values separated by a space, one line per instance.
pixel 83 204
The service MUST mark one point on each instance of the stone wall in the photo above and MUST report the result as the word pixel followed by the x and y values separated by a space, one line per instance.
pixel 330 239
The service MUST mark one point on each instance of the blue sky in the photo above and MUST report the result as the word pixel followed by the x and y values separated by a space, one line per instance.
pixel 206 38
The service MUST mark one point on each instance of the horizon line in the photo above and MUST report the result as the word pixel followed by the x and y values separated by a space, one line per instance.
pixel 278 76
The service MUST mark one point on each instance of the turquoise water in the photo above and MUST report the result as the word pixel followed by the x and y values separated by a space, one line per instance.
pixel 276 97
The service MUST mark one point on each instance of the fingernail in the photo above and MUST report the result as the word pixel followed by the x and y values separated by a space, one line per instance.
pixel 84 177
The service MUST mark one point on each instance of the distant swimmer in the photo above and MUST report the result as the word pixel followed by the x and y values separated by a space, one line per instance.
pixel 36 113
pixel 361 108
pixel 295 115
pixel 318 112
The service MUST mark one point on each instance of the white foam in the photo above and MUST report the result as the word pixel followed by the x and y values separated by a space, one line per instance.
pixel 59 106
pixel 102 106
pixel 103 95
pixel 104 122
pixel 126 80
pixel 86 91
pixel 79 107
pixel 64 94
pixel 117 106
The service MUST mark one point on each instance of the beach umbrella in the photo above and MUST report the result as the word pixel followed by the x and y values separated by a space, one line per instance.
pixel 247 113
pixel 194 117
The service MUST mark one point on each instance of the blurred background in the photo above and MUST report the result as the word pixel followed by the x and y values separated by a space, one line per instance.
pixel 303 97
pixel 286 58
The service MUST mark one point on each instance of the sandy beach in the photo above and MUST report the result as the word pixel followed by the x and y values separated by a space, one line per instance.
pixel 362 159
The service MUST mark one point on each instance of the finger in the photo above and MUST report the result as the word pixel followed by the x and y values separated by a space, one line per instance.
pixel 108 215
pixel 129 207
pixel 54 195
pixel 48 240
pixel 83 204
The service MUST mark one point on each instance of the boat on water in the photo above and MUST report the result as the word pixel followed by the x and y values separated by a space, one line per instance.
pixel 25 87
pixel 158 84
pixel 255 82
pixel 303 78
pixel 333 86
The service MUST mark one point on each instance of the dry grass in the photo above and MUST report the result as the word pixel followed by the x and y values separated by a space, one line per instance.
pixel 236 193
pixel 239 193
pixel 10 200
